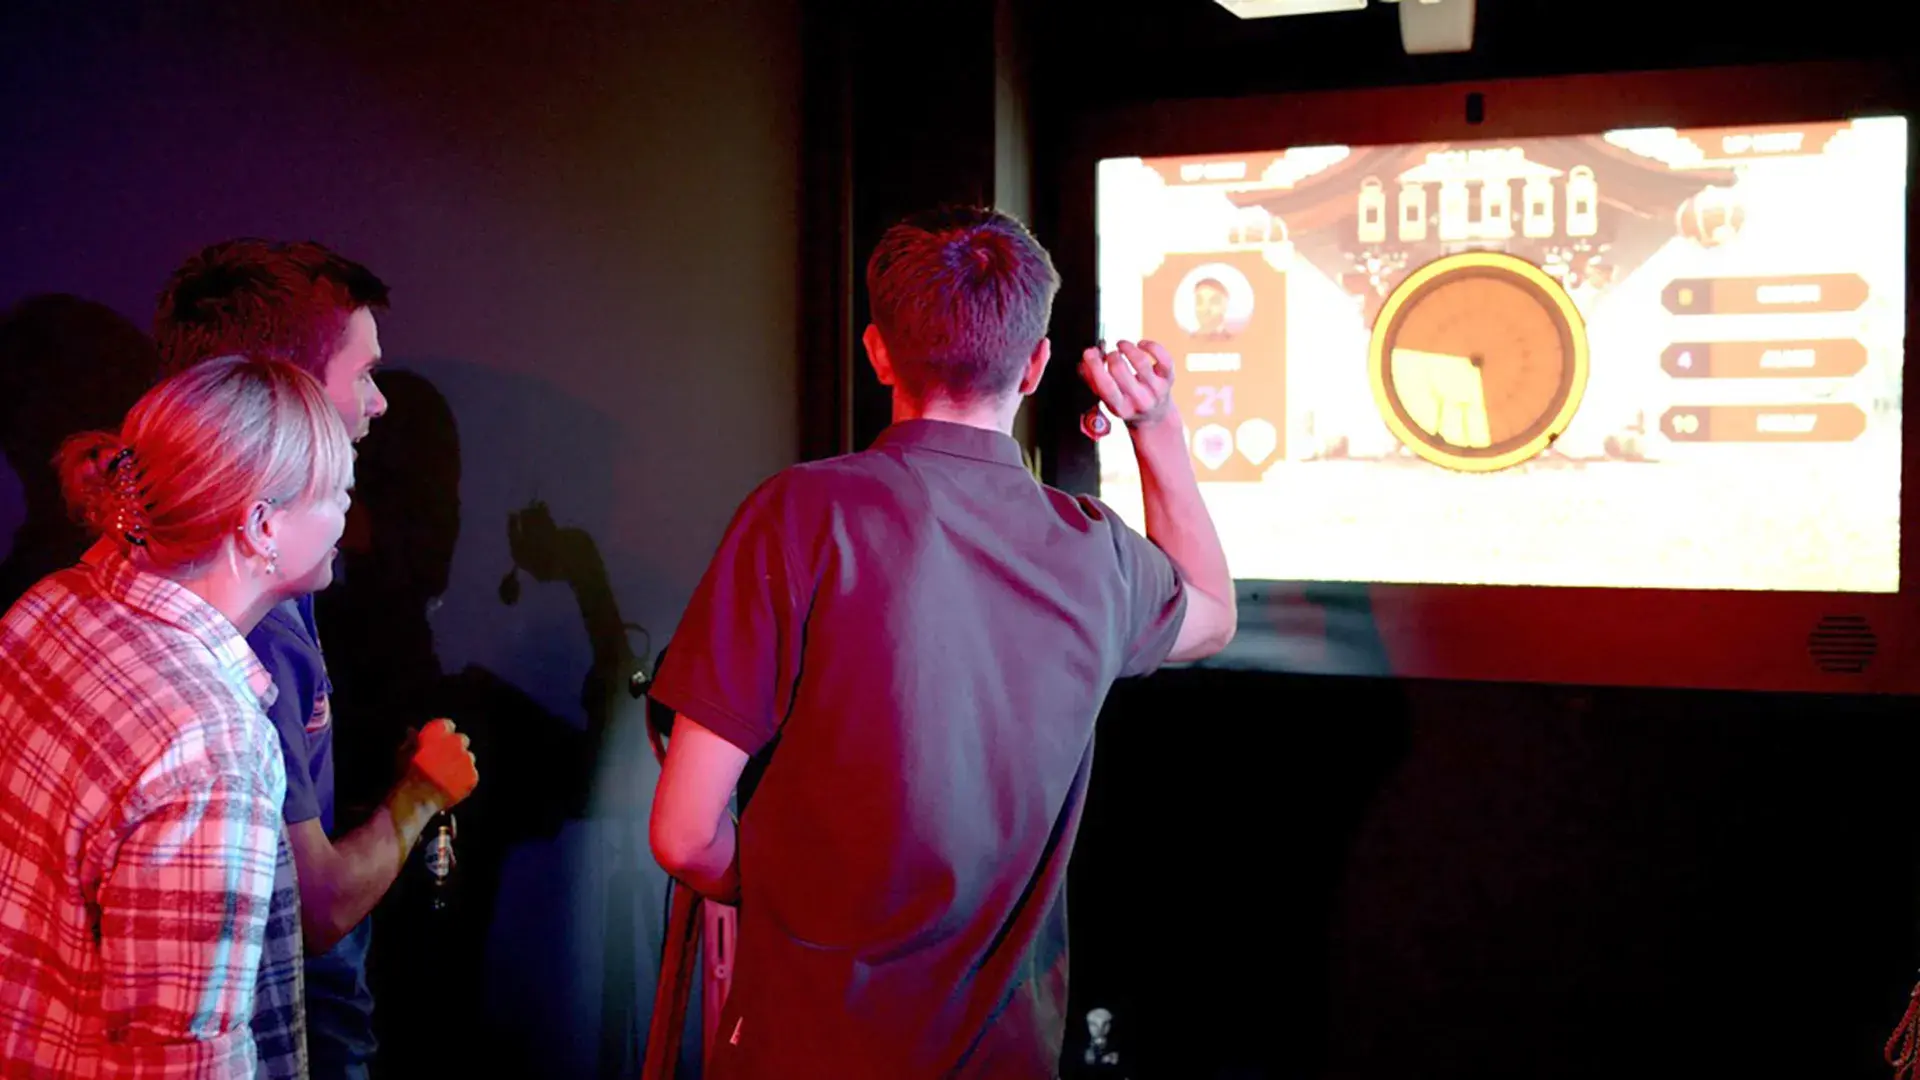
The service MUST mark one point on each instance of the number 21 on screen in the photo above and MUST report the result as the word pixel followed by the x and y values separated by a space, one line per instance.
pixel 1211 396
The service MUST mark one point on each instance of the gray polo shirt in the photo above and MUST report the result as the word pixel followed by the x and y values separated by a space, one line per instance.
pixel 915 642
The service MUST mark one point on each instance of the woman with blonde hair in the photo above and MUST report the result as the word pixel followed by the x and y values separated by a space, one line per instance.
pixel 149 923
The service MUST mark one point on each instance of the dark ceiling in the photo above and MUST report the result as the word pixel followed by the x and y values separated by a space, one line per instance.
pixel 1093 52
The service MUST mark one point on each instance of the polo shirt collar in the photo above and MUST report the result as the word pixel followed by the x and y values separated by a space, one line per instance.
pixel 958 440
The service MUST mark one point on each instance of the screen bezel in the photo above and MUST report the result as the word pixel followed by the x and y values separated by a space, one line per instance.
pixel 1736 640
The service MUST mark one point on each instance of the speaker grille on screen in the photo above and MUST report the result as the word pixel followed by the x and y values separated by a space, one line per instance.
pixel 1842 644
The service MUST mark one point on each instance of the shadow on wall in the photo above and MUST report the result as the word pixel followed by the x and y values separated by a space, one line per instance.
pixel 541 960
pixel 66 365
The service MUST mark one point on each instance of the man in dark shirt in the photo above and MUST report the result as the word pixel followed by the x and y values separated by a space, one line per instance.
pixel 305 304
pixel 915 641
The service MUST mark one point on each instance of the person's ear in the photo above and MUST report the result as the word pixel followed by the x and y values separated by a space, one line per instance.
pixel 260 533
pixel 877 355
pixel 1036 367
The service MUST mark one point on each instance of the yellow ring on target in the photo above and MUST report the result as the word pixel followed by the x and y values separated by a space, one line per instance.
pixel 1562 306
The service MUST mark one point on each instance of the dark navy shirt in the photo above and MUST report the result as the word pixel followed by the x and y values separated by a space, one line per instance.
pixel 339 1005
pixel 916 641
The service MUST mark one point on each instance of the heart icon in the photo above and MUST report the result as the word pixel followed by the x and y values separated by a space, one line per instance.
pixel 1213 445
pixel 1257 440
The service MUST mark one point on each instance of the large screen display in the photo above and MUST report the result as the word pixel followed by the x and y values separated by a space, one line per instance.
pixel 1649 358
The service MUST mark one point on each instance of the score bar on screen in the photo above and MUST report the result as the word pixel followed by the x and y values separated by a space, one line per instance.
pixel 1764 423
pixel 1779 294
pixel 1830 358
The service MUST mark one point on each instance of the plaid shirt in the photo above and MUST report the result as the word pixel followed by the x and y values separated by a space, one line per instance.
pixel 149 924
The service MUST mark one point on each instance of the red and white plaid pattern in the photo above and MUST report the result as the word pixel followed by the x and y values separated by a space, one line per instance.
pixel 140 792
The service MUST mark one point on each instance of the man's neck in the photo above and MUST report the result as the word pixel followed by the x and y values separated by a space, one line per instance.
pixel 988 416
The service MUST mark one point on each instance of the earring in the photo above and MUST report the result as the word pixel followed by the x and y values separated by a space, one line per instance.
pixel 273 561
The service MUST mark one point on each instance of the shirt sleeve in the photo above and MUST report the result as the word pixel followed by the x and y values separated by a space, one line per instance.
pixel 183 916
pixel 296 680
pixel 1154 600
pixel 735 658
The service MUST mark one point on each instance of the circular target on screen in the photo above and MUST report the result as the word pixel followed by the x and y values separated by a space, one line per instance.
pixel 1213 302
pixel 1478 361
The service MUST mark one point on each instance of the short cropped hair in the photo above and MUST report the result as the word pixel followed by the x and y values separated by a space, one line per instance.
pixel 961 296
pixel 264 299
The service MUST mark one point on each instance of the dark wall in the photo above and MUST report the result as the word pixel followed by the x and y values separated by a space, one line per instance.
pixel 1292 876
pixel 1349 878
pixel 589 213
pixel 917 110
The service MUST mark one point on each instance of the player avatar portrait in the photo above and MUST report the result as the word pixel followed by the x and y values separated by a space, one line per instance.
pixel 1214 302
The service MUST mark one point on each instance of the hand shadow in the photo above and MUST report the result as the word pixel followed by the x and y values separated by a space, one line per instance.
pixel 538 771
